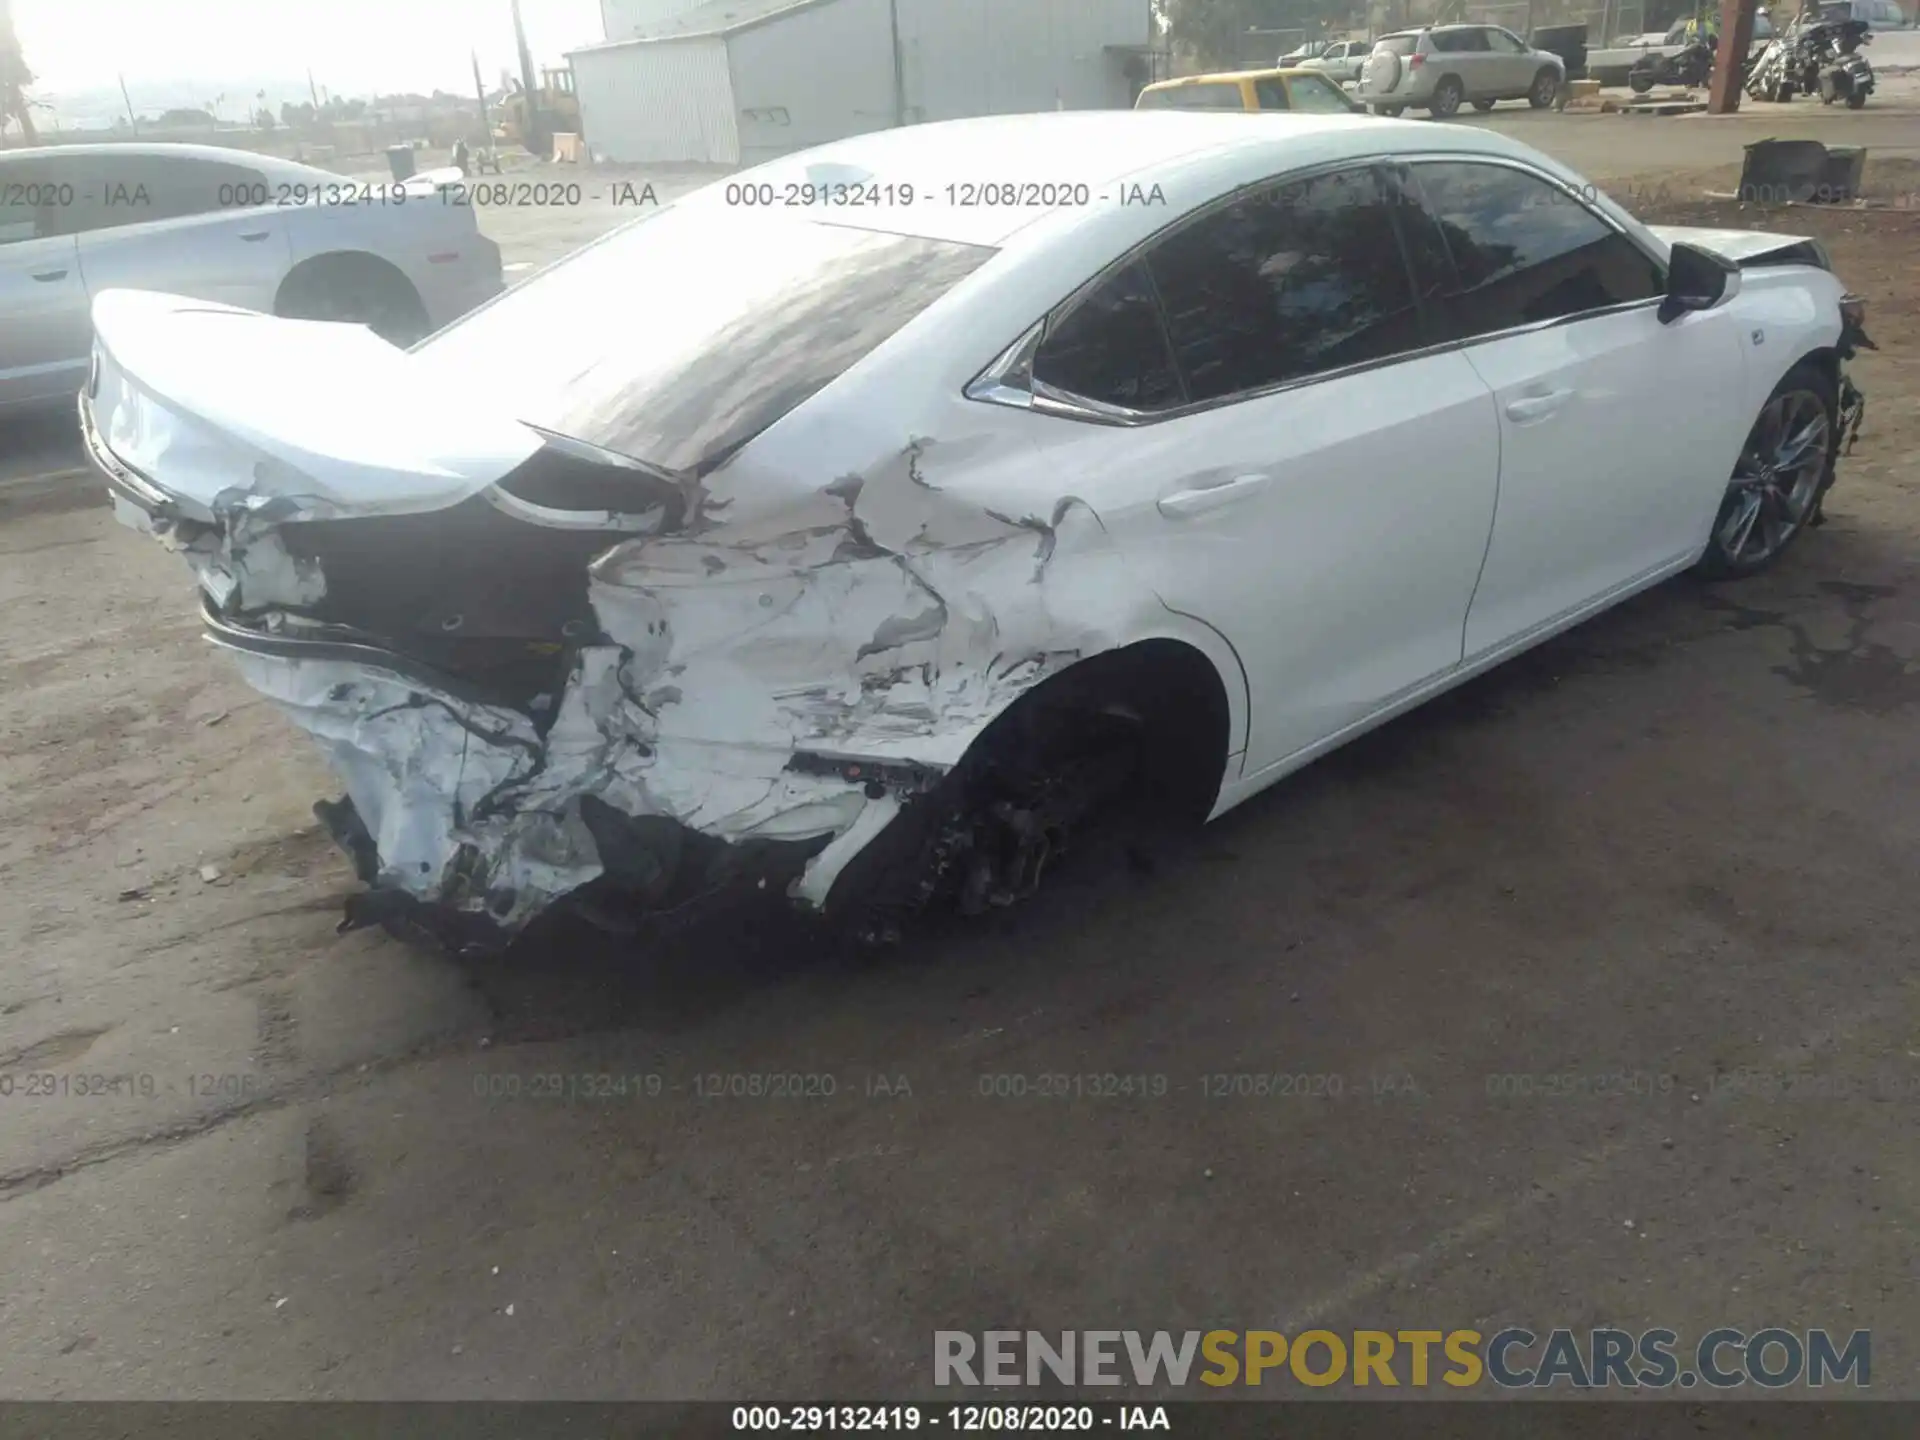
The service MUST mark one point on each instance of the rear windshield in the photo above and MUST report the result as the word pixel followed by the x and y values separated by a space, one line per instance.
pixel 1192 97
pixel 682 336
pixel 1398 44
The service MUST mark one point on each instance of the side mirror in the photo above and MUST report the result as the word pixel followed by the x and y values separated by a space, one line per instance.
pixel 1697 280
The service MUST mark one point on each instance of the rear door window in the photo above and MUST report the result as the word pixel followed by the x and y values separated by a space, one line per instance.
pixel 677 339
pixel 1399 44
pixel 1286 282
pixel 135 189
pixel 31 202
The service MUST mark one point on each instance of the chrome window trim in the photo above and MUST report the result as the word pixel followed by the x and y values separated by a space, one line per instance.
pixel 1009 381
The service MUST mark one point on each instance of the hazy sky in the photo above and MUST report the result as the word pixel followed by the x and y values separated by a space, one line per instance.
pixel 354 46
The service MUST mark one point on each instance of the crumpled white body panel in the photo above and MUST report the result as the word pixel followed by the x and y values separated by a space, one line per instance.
pixel 710 688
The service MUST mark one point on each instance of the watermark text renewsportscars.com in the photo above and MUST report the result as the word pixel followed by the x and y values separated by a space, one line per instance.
pixel 1514 1358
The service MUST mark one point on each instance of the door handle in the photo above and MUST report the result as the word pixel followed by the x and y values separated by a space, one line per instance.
pixel 50 274
pixel 253 235
pixel 1536 407
pixel 1210 497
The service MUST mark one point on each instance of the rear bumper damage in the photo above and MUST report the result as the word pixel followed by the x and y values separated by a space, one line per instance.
pixel 567 712
pixel 463 819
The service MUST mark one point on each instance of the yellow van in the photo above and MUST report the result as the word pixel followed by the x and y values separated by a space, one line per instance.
pixel 1307 91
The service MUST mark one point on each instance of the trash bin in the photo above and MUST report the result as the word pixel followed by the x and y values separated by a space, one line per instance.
pixel 400 161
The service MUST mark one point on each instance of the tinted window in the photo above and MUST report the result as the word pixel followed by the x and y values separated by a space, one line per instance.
pixel 688 332
pixel 1112 348
pixel 1399 44
pixel 1285 282
pixel 1453 42
pixel 1502 40
pixel 29 204
pixel 1193 97
pixel 1271 94
pixel 113 190
pixel 1318 95
pixel 1526 250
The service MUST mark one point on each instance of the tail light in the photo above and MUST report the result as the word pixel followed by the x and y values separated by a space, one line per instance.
pixel 1416 60
pixel 1853 311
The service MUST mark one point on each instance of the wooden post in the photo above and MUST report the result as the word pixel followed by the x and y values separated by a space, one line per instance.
pixel 1736 36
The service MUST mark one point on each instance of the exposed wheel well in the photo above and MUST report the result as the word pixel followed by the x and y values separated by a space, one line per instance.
pixel 314 288
pixel 1164 694
pixel 1174 693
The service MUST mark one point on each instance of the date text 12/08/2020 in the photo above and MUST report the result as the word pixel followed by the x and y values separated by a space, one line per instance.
pixel 962 194
pixel 960 1419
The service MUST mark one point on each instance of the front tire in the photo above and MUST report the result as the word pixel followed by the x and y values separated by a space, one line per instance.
pixel 1546 89
pixel 1447 96
pixel 1778 480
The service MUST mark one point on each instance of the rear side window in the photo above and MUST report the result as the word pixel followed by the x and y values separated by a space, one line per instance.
pixel 112 191
pixel 30 203
pixel 1111 347
pixel 1317 95
pixel 680 337
pixel 1272 95
pixel 1399 44
pixel 1454 42
pixel 1525 250
pixel 1215 95
pixel 1284 283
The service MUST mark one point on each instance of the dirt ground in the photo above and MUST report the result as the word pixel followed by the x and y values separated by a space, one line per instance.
pixel 1677 844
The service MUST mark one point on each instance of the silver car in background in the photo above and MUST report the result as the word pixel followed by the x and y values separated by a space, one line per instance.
pixel 1438 68
pixel 224 225
pixel 1340 62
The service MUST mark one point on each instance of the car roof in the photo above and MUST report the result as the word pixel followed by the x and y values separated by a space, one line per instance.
pixel 1098 152
pixel 1216 76
pixel 168 148
pixel 149 149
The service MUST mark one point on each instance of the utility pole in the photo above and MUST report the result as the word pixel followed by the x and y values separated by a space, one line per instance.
pixel 480 94
pixel 131 121
pixel 534 131
pixel 899 74
pixel 1736 37
pixel 313 91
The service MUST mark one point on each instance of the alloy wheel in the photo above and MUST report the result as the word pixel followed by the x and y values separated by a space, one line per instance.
pixel 1777 481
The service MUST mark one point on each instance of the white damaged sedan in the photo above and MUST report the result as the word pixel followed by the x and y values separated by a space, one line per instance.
pixel 864 524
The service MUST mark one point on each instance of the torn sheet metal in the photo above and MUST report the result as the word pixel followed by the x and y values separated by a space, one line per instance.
pixel 721 662
pixel 878 614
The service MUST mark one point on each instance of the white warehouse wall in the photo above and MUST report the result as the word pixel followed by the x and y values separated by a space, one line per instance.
pixel 660 104
pixel 997 57
pixel 815 75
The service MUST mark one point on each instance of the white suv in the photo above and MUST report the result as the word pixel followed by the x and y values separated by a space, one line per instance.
pixel 1440 67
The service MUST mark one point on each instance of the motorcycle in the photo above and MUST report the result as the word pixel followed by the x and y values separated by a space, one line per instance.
pixel 1815 57
pixel 1692 66
pixel 1846 74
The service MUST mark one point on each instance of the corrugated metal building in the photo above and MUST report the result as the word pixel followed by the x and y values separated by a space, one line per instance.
pixel 740 81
